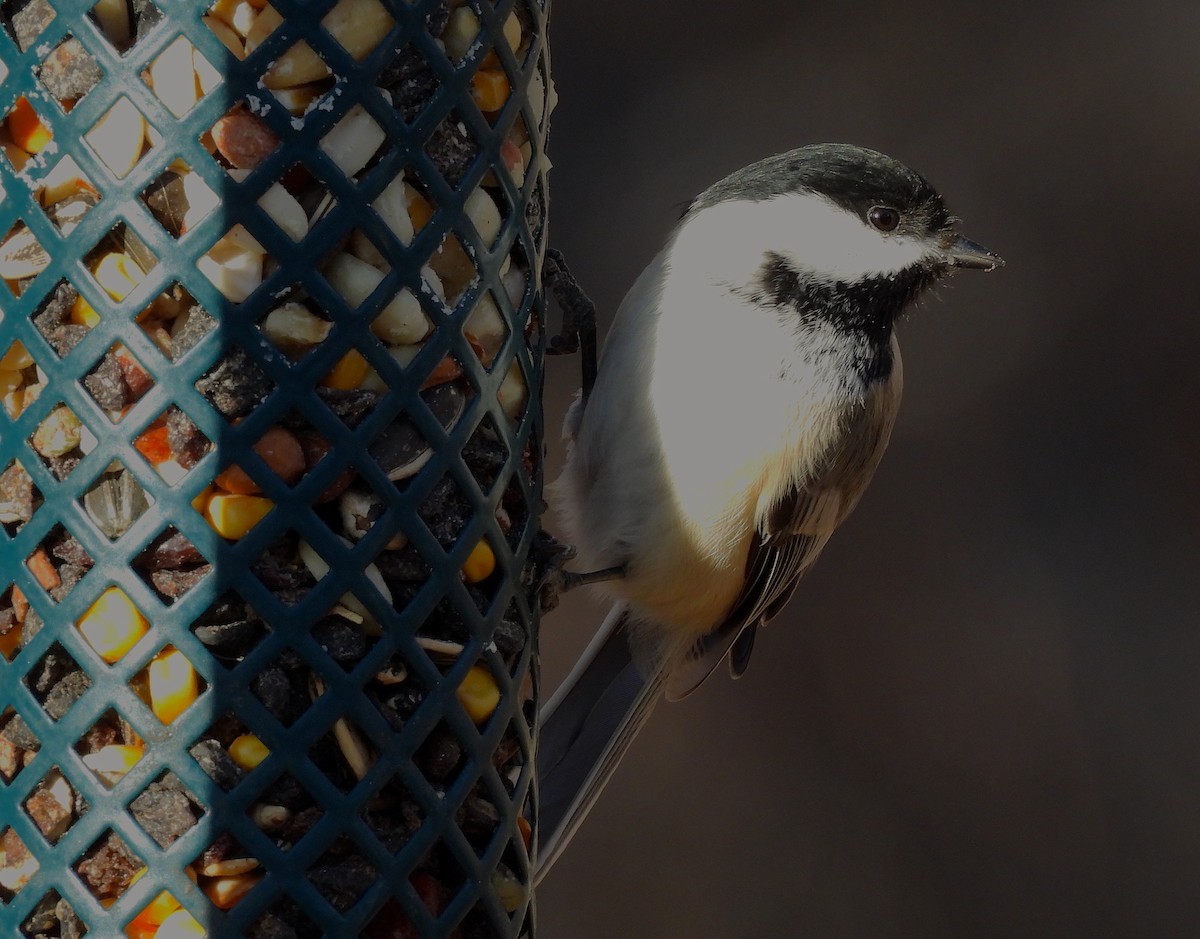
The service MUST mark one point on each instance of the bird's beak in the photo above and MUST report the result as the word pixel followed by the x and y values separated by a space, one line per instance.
pixel 962 252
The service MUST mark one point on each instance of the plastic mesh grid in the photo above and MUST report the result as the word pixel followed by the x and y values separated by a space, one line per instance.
pixel 269 465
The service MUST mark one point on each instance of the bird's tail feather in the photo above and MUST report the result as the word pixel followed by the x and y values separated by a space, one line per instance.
pixel 586 727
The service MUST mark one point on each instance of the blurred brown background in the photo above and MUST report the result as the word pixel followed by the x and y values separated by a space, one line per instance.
pixel 980 716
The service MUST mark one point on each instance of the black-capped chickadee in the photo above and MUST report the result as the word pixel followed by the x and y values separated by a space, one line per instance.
pixel 769 315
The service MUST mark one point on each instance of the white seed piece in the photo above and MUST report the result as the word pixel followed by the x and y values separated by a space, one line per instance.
pixel 392 675
pixel 299 99
pixel 113 17
pixel 229 867
pixel 238 14
pixel 353 140
pixel 401 355
pixel 294 328
pixel 299 65
pixel 392 206
pixel 358 757
pixel 22 256
pixel 118 136
pixel 239 236
pixel 173 77
pixel 200 199
pixel 401 322
pixel 486 325
pixel 358 25
pixel 62 182
pixel 512 392
pixel 282 206
pixel 269 817
pixel 318 568
pixel 233 270
pixel 482 211
pixel 265 23
pixel 460 33
pixel 441 648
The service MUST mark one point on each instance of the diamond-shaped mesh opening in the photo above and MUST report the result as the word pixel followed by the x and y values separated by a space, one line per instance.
pixel 53 916
pixel 69 71
pixel 26 24
pixel 234 264
pixel 175 74
pixel 169 684
pixel 285 571
pixel 14 607
pixel 119 137
pixel 179 199
pixel 67 194
pixel 115 500
pixel 119 263
pixel 343 754
pixel 17 742
pixel 61 319
pixel 22 257
pixel 58 440
pixel 57 682
pixel 284 917
pixel 295 327
pixel 110 748
pixel 341 879
pixel 124 22
pixel 113 625
pixel 452 148
pixel 355 142
pixel 486 328
pixel 19 865
pixel 166 809
pixel 285 812
pixel 229 628
pixel 400 449
pixel 242 139
pixel 172 565
pixel 117 381
pixel 400 320
pixel 172 444
pixel 282 687
pixel 228 750
pixel 108 866
pixel 59 562
pixel 226 872
pixel 235 385
pixel 53 805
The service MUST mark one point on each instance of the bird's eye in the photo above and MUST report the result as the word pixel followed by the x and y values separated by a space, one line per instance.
pixel 883 218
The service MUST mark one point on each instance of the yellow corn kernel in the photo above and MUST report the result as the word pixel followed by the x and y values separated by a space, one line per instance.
pixel 83 313
pixel 489 88
pixel 112 762
pixel 152 915
pixel 232 515
pixel 225 892
pixel 180 925
pixel 16 358
pixel 479 563
pixel 478 694
pixel 200 503
pixel 112 625
pixel 174 684
pixel 118 274
pixel 349 372
pixel 247 751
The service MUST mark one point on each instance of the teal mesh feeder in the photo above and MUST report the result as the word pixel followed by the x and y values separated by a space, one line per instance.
pixel 270 357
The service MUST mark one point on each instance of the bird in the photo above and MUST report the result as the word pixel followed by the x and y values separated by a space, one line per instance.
pixel 745 394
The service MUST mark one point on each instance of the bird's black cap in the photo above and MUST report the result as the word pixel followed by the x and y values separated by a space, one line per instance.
pixel 854 178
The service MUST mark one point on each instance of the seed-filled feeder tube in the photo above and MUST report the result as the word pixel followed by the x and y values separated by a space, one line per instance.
pixel 270 465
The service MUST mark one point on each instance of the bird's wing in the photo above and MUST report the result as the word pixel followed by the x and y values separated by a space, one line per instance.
pixel 794 532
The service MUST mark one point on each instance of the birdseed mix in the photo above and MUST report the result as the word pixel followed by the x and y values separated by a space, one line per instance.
pixel 122 759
